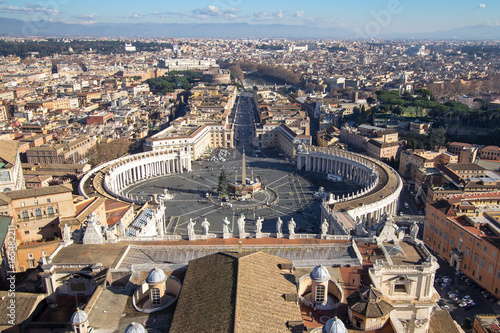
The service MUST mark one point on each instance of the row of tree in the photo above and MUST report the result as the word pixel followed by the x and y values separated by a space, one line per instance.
pixel 450 112
pixel 173 80
pixel 52 46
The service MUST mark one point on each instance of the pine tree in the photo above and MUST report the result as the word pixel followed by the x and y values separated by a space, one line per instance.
pixel 223 184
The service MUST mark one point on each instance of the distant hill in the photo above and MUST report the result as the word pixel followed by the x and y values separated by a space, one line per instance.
pixel 19 28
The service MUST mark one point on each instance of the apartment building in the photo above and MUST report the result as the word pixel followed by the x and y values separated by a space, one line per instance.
pixel 68 151
pixel 36 212
pixel 11 173
pixel 412 160
pixel 465 231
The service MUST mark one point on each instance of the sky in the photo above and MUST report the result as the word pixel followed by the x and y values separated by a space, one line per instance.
pixel 370 16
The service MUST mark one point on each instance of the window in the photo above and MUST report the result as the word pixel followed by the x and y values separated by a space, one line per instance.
pixel 48 200
pixel 25 214
pixel 400 288
pixel 50 210
pixel 26 232
pixel 493 253
pixel 483 262
pixel 490 269
pixel 22 204
pixel 44 253
pixel 155 296
pixel 445 236
pixel 30 255
pixel 320 294
pixel 440 233
pixel 476 257
pixel 467 251
pixel 36 202
pixel 485 249
pixel 31 263
pixel 38 212
pixel 452 241
pixel 498 275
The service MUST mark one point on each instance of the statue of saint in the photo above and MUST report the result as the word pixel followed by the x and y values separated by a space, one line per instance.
pixel 291 227
pixel 279 225
pixel 241 224
pixel 190 229
pixel 324 228
pixel 258 225
pixel 225 225
pixel 205 225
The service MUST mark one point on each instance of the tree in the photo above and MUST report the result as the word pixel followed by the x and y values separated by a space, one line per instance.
pixel 107 151
pixel 223 184
pixel 236 72
pixel 437 137
pixel 467 324
pixel 370 101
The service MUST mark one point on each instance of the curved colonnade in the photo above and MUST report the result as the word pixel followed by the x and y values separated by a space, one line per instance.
pixel 128 170
pixel 379 196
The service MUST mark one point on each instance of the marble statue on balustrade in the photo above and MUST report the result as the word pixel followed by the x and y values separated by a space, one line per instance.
pixel 241 226
pixel 291 228
pixel 414 231
pixel 67 233
pixel 205 225
pixel 190 230
pixel 258 227
pixel 279 225
pixel 93 232
pixel 324 229
pixel 225 228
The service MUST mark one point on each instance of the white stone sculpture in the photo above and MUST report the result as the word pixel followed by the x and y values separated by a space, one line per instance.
pixel 190 230
pixel 291 229
pixel 258 227
pixel 279 225
pixel 225 228
pixel 241 226
pixel 324 228
pixel 205 225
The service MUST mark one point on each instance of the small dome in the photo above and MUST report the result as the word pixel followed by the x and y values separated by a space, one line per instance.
pixel 135 328
pixel 79 317
pixel 156 276
pixel 320 274
pixel 334 325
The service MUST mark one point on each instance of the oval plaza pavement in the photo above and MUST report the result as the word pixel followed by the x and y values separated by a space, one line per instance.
pixel 292 196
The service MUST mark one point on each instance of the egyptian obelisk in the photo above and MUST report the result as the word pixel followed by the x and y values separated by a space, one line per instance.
pixel 243 171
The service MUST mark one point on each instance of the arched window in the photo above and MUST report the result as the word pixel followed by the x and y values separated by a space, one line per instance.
pixel 50 210
pixel 25 214
pixel 38 212
pixel 7 189
pixel 320 293
pixel 155 296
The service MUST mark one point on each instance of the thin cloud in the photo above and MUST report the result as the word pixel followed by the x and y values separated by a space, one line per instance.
pixel 480 6
pixel 28 9
pixel 214 12
pixel 88 22
pixel 298 14
pixel 86 16
pixel 133 16
pixel 166 14
pixel 278 14
pixel 262 15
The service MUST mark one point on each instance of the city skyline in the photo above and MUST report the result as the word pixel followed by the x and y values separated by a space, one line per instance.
pixel 362 16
